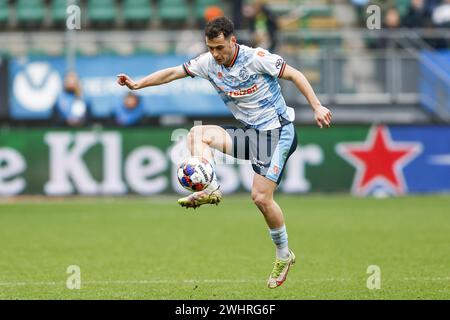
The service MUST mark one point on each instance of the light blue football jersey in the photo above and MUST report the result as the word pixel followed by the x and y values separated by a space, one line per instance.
pixel 249 87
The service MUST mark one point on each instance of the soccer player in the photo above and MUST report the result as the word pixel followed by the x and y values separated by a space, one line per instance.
pixel 247 81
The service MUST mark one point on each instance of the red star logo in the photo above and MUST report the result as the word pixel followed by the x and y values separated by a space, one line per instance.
pixel 379 160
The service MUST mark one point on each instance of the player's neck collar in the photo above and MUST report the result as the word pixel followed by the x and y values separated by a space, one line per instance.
pixel 236 52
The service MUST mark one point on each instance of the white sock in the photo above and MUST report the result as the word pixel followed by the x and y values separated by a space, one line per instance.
pixel 212 186
pixel 280 239
pixel 283 253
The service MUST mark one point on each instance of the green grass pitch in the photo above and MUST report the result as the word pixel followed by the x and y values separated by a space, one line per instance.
pixel 149 248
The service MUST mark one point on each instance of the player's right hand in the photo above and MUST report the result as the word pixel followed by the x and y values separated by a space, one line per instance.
pixel 322 115
pixel 125 80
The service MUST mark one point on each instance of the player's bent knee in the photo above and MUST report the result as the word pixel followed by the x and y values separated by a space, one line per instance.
pixel 194 135
pixel 194 131
pixel 199 134
pixel 261 200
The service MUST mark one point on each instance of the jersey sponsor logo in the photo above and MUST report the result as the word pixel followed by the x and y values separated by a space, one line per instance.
pixel 243 74
pixel 243 92
pixel 261 53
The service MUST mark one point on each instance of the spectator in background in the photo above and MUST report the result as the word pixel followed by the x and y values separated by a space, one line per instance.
pixel 441 19
pixel 417 16
pixel 212 12
pixel 263 25
pixel 70 106
pixel 391 21
pixel 361 6
pixel 430 5
pixel 130 111
pixel 197 45
pixel 441 15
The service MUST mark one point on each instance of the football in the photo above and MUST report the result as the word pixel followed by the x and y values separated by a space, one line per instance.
pixel 195 173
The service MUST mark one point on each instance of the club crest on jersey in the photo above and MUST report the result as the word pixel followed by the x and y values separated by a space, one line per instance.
pixel 220 75
pixel 243 74
pixel 278 63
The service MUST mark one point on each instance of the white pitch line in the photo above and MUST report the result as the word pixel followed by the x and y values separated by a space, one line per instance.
pixel 99 282
pixel 427 279
pixel 194 281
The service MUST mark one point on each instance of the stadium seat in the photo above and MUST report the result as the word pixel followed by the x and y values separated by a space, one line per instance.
pixel 30 12
pixel 173 10
pixel 137 11
pixel 102 11
pixel 58 10
pixel 201 5
pixel 402 6
pixel 4 12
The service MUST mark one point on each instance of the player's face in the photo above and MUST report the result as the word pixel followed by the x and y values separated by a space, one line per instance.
pixel 222 48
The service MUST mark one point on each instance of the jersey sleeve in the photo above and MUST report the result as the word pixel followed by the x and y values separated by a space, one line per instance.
pixel 269 63
pixel 197 66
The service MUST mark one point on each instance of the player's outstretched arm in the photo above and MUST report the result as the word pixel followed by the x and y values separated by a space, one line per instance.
pixel 154 79
pixel 322 114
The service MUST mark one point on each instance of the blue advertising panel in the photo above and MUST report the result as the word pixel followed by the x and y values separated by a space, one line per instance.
pixel 429 171
pixel 34 87
pixel 395 160
pixel 35 84
pixel 3 87
pixel 435 81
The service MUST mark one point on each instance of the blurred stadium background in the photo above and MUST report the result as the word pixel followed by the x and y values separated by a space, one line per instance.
pixel 67 128
pixel 53 77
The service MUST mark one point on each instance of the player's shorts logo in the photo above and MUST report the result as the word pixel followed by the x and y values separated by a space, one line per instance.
pixel 276 169
pixel 243 74
pixel 258 163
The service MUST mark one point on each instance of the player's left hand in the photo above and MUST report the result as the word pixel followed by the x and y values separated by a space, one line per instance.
pixel 322 115
pixel 125 80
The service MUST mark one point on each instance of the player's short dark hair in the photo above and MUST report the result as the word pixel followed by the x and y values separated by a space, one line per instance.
pixel 217 26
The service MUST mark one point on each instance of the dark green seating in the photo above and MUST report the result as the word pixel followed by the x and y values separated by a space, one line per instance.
pixel 137 11
pixel 30 12
pixel 101 11
pixel 173 10
pixel 4 12
pixel 58 10
pixel 402 6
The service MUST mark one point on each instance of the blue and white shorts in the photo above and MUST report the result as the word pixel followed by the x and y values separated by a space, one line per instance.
pixel 268 151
